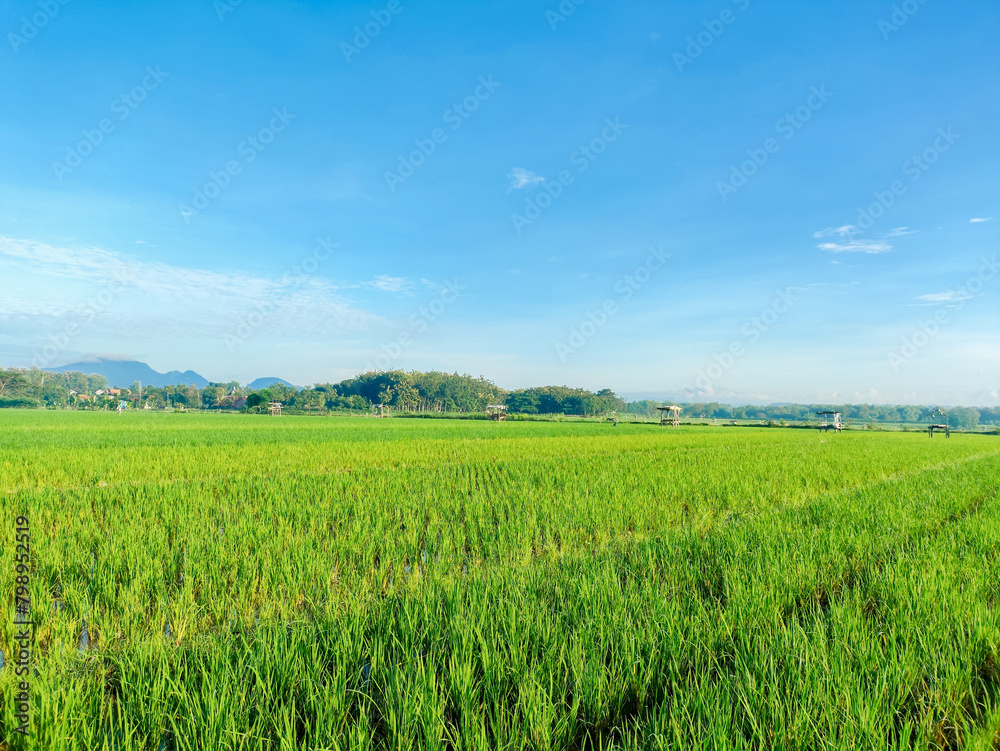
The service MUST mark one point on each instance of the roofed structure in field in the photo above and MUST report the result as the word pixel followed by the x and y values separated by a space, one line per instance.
pixel 829 420
pixel 670 415
pixel 496 412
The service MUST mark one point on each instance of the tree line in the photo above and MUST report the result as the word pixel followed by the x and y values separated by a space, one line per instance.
pixel 430 392
pixel 958 417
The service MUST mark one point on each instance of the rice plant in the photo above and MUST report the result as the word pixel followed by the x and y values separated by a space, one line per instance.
pixel 235 582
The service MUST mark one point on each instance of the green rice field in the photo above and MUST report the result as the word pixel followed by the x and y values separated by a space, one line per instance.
pixel 208 581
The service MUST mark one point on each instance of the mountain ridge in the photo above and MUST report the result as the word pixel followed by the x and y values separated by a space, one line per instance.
pixel 123 373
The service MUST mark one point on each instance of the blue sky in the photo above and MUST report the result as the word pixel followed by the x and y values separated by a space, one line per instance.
pixel 730 200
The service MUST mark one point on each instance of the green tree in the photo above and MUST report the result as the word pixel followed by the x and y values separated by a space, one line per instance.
pixel 96 382
pixel 212 396
pixel 523 402
pixel 13 383
pixel 406 396
pixel 963 418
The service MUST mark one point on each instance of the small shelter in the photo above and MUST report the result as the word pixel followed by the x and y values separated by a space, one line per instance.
pixel 670 415
pixel 940 426
pixel 274 408
pixel 496 412
pixel 380 410
pixel 830 420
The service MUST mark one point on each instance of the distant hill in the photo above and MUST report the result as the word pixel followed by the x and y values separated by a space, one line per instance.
pixel 263 383
pixel 123 373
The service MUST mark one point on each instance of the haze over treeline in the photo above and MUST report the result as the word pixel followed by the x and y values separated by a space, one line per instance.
pixel 428 392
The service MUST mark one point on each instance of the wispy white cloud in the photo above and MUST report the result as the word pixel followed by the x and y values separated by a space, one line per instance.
pixel 850 241
pixel 522 178
pixel 848 230
pixel 45 285
pixel 108 357
pixel 977 220
pixel 11 307
pixel 857 246
pixel 390 283
pixel 949 296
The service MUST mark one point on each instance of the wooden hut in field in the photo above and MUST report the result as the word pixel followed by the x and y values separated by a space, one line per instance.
pixel 940 426
pixel 829 420
pixel 274 409
pixel 380 410
pixel 670 415
pixel 496 412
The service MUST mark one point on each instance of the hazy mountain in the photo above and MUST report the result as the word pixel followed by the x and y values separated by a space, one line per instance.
pixel 123 373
